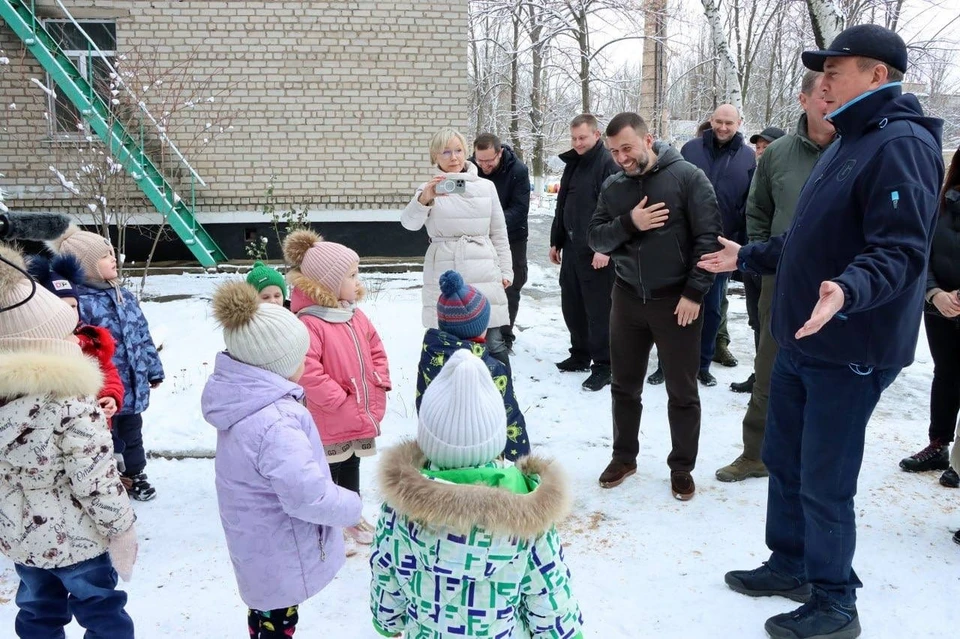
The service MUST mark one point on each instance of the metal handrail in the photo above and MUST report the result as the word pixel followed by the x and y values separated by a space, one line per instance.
pixel 140 104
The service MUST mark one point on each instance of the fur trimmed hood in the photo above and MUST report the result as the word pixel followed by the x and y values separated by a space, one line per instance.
pixel 462 508
pixel 25 373
pixel 315 291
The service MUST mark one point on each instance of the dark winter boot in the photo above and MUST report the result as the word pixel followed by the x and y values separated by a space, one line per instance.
pixel 723 356
pixel 936 456
pixel 656 377
pixel 956 537
pixel 767 582
pixel 599 378
pixel 744 387
pixel 819 618
pixel 573 365
pixel 138 487
pixel 615 472
pixel 706 378
pixel 950 478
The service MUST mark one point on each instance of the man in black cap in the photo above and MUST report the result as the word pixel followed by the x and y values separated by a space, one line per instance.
pixel 762 140
pixel 850 286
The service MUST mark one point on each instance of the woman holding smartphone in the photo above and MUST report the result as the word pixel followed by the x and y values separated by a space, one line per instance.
pixel 942 323
pixel 467 232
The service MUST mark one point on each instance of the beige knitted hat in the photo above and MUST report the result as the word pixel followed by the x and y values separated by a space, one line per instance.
pixel 263 335
pixel 327 263
pixel 87 247
pixel 41 324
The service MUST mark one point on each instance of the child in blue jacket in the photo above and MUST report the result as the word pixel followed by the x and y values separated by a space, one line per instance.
pixel 103 302
pixel 462 316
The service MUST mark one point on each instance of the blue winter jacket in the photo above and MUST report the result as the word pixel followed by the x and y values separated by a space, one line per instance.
pixel 136 357
pixel 438 346
pixel 865 220
pixel 730 169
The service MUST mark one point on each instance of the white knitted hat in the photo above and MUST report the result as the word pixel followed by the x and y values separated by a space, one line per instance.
pixel 41 324
pixel 462 419
pixel 263 335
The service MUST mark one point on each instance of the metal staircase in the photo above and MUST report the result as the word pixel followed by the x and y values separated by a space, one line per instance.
pixel 127 149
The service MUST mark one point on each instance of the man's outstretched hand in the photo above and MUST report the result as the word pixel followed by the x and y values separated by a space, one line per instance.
pixel 724 260
pixel 830 302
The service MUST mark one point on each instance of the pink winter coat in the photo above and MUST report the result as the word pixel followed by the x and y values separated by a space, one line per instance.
pixel 346 377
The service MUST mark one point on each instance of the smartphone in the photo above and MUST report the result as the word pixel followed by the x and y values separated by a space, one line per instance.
pixel 451 186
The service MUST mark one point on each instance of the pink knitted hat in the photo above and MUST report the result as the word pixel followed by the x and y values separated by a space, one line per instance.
pixel 326 263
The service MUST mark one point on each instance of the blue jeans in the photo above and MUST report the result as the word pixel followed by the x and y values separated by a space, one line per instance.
pixel 813 447
pixel 711 320
pixel 48 598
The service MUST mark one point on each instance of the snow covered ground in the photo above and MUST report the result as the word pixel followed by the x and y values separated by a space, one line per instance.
pixel 644 565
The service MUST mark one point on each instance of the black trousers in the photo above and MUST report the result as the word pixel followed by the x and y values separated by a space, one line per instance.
pixel 128 441
pixel 635 326
pixel 943 336
pixel 751 290
pixel 346 473
pixel 273 624
pixel 519 252
pixel 585 301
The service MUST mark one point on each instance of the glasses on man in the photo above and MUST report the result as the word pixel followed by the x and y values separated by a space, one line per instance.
pixel 448 154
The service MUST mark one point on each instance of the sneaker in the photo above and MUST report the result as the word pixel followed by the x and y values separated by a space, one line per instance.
pixel 350 548
pixel 706 378
pixel 819 618
pixel 573 365
pixel 599 378
pixel 615 472
pixel 656 377
pixel 936 456
pixel 723 356
pixel 138 487
pixel 950 478
pixel 767 582
pixel 360 535
pixel 742 468
pixel 681 484
pixel 744 387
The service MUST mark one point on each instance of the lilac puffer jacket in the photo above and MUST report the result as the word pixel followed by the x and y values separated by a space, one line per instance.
pixel 281 512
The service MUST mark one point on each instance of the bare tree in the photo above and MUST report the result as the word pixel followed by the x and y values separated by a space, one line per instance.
pixel 728 61
pixel 827 20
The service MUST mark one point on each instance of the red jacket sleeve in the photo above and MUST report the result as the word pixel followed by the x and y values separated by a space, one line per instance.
pixel 96 341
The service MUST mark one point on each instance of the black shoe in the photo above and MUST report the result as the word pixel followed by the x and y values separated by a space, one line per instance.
pixel 936 456
pixel 950 478
pixel 956 537
pixel 599 378
pixel 656 377
pixel 573 365
pixel 138 487
pixel 744 387
pixel 723 356
pixel 766 582
pixel 706 378
pixel 819 618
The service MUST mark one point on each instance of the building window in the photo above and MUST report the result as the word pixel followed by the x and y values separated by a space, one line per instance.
pixel 65 119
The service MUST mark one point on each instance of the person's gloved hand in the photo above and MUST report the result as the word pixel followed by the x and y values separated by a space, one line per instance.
pixel 123 552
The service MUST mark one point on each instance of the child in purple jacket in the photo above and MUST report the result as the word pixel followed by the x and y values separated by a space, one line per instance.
pixel 281 512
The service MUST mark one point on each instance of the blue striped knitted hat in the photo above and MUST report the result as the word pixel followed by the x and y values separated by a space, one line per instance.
pixel 462 310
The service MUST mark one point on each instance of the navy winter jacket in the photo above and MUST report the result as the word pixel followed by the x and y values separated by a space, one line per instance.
pixel 136 357
pixel 512 179
pixel 865 220
pixel 730 169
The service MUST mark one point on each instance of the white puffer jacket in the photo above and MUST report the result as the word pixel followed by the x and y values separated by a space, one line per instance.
pixel 468 234
pixel 60 492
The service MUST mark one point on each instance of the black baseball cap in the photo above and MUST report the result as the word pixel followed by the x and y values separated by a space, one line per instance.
pixel 865 40
pixel 769 134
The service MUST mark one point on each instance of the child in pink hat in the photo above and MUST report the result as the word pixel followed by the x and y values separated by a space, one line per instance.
pixel 346 376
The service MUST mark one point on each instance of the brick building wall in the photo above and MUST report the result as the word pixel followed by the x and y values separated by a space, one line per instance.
pixel 337 100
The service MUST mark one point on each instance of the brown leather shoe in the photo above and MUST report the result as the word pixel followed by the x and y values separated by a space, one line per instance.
pixel 681 483
pixel 615 473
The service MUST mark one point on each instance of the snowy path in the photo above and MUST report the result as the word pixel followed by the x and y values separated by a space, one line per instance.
pixel 644 565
